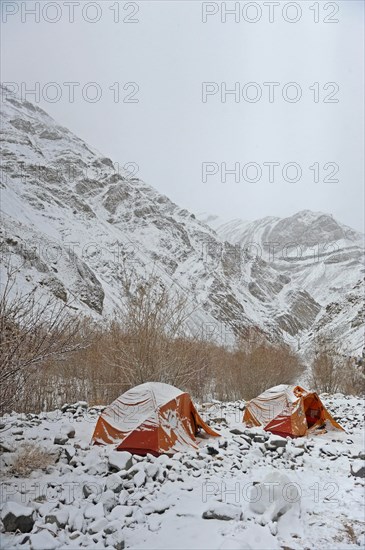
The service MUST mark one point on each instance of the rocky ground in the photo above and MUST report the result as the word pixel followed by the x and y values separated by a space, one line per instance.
pixel 247 489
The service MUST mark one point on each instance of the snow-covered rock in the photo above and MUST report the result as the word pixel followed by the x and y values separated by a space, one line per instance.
pixel 17 517
pixel 286 500
pixel 274 496
pixel 358 468
pixel 59 517
pixel 43 541
pixel 223 511
pixel 119 460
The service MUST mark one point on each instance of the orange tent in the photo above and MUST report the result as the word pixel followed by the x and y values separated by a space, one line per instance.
pixel 151 418
pixel 288 411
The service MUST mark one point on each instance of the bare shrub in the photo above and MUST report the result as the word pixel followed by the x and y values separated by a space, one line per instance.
pixel 332 372
pixel 325 369
pixel 31 457
pixel 49 357
pixel 353 377
pixel 148 341
pixel 34 330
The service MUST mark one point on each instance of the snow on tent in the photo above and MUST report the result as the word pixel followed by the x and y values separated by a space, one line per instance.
pixel 288 411
pixel 151 418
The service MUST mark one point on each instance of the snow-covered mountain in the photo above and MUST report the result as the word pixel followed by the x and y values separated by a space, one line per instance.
pixel 77 225
pixel 319 255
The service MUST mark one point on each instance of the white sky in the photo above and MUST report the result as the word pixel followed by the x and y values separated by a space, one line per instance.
pixel 170 132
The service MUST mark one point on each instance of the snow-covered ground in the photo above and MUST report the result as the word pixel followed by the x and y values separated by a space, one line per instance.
pixel 247 489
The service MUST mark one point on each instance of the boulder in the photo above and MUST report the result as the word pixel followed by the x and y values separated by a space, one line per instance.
pixel 6 448
pixel 69 452
pixel 98 525
pixel 120 512
pixel 17 517
pixel 59 517
pixel 114 482
pixel 139 478
pixel 274 496
pixel 43 541
pixel 116 540
pixel 91 488
pixel 223 512
pixel 156 507
pixel 119 460
pixel 275 441
pixel 108 500
pixel 69 431
pixel 358 468
pixel 60 439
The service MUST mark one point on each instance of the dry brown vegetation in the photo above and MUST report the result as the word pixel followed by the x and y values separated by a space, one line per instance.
pixel 331 371
pixel 48 361
pixel 32 333
pixel 31 457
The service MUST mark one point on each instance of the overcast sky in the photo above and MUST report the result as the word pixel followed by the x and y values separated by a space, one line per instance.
pixel 181 143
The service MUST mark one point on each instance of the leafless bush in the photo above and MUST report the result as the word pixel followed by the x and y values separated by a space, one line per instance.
pixel 149 341
pixel 31 457
pixel 332 372
pixel 250 370
pixel 49 358
pixel 325 369
pixel 34 330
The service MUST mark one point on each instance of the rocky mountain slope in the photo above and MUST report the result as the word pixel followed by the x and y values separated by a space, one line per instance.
pixel 321 257
pixel 76 226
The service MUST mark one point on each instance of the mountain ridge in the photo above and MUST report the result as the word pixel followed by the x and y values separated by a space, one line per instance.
pixel 85 223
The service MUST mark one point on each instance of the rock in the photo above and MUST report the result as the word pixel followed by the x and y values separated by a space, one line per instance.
pixel 43 541
pixel 17 517
pixel 116 540
pixel 212 451
pixel 120 460
pixel 123 497
pixel 91 488
pixel 237 430
pixel 358 468
pixel 114 482
pixel 120 512
pixel 329 450
pixel 273 497
pixel 275 441
pixel 114 525
pixel 139 479
pixel 94 511
pixel 108 500
pixel 59 517
pixel 60 439
pixel 70 452
pixel 223 512
pixel 295 452
pixel 76 521
pixel 98 525
pixel 152 470
pixel 156 507
pixel 6 448
pixel 74 535
pixel 69 431
pixel 259 438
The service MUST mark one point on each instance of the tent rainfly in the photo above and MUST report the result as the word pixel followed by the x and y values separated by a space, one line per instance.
pixel 288 411
pixel 151 418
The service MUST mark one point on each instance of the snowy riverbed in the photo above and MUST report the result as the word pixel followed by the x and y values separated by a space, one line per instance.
pixel 246 490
